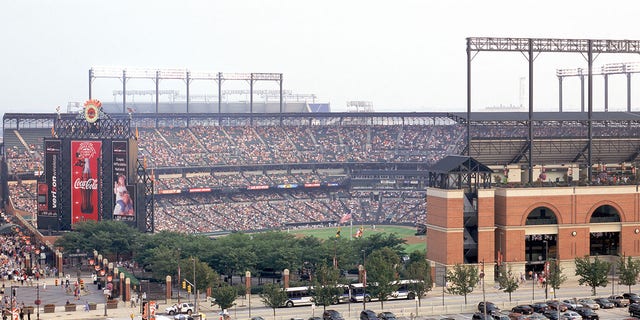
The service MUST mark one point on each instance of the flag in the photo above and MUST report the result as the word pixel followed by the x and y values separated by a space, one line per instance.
pixel 345 218
pixel 338 233
pixel 53 132
pixel 359 233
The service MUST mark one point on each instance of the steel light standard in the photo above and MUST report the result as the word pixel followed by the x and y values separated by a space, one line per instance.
pixel 364 281
pixel 484 298
pixel 546 269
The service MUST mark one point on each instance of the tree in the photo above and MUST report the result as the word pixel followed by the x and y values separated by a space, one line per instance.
pixel 462 279
pixel 628 270
pixel 508 282
pixel 381 273
pixel 273 297
pixel 419 269
pixel 593 273
pixel 325 283
pixel 224 296
pixel 555 278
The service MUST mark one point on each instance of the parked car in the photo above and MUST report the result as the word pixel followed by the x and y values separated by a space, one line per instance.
pixel 498 315
pixel 368 315
pixel 540 307
pixel 555 305
pixel 490 307
pixel 314 318
pixel 551 314
pixel 331 315
pixel 619 300
pixel 481 316
pixel 589 303
pixel 587 313
pixel 634 310
pixel 184 307
pixel 604 303
pixel 522 309
pixel 536 316
pixel 633 298
pixel 572 304
pixel 386 316
pixel 571 315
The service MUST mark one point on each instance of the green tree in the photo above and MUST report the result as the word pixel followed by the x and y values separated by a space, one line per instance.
pixel 325 283
pixel 233 255
pixel 556 277
pixel 381 273
pixel 592 272
pixel 110 238
pixel 205 275
pixel 224 295
pixel 508 282
pixel 462 279
pixel 273 297
pixel 419 269
pixel 628 270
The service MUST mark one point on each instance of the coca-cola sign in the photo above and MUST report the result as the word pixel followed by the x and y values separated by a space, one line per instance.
pixel 86 157
pixel 90 184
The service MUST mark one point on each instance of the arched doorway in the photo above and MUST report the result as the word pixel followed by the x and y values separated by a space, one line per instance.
pixel 604 242
pixel 540 247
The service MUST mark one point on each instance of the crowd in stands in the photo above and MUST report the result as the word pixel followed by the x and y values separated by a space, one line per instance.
pixel 199 146
pixel 258 210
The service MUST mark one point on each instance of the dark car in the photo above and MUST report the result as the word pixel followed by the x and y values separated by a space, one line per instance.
pixel 331 315
pixel 368 315
pixel 498 315
pixel 386 316
pixel 522 309
pixel 587 313
pixel 552 314
pixel 314 318
pixel 555 305
pixel 634 310
pixel 481 316
pixel 604 303
pixel 540 307
pixel 633 298
pixel 490 307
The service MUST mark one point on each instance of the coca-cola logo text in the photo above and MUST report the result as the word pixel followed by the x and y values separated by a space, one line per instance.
pixel 90 184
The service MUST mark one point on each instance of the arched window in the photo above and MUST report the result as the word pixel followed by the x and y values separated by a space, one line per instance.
pixel 541 215
pixel 605 213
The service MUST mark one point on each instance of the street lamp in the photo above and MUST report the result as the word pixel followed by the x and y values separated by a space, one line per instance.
pixel 484 298
pixel 364 281
pixel 444 284
pixel 195 292
pixel 546 269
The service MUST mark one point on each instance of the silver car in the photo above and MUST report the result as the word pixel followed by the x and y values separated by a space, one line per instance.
pixel 589 303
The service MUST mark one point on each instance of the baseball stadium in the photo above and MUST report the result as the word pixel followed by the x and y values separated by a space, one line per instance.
pixel 484 187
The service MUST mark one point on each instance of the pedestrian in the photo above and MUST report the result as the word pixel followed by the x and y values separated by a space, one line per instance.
pixel 133 301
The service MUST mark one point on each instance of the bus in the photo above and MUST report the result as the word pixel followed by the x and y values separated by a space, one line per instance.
pixel 358 293
pixel 299 296
pixel 403 290
pixel 345 293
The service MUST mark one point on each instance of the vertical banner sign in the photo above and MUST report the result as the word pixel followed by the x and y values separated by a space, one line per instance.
pixel 85 180
pixel 48 192
pixel 123 192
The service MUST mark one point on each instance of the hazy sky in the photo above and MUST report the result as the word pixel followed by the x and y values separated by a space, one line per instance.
pixel 400 55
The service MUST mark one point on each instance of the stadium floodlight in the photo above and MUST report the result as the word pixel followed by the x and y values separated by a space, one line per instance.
pixel 106 72
pixel 267 76
pixel 172 73
pixel 140 73
pixel 236 76
pixel 203 75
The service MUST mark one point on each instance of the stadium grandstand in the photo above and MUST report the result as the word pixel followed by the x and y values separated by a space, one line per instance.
pixel 230 172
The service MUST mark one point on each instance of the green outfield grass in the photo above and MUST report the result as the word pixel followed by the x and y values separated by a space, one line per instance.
pixel 400 231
